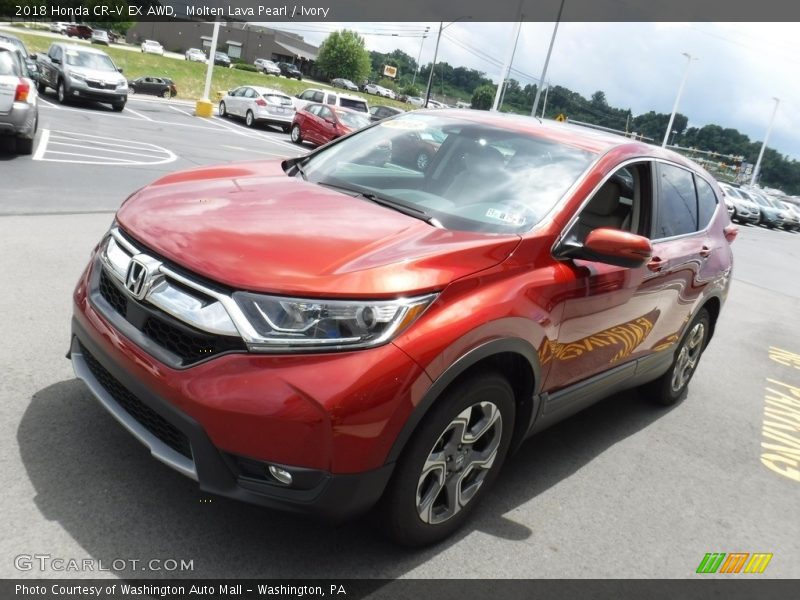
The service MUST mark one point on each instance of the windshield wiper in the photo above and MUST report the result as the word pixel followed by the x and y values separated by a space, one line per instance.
pixel 297 165
pixel 411 211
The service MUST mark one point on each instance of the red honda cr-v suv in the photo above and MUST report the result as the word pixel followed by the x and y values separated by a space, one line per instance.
pixel 339 330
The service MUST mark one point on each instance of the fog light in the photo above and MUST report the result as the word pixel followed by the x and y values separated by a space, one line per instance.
pixel 282 475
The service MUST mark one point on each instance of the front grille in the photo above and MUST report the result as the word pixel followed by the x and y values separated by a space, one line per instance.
pixel 190 345
pixel 99 85
pixel 112 294
pixel 146 416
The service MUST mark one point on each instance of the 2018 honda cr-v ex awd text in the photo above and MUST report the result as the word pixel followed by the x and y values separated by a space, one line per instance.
pixel 337 332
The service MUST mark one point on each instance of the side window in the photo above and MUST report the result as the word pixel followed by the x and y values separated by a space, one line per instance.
pixel 307 95
pixel 318 97
pixel 250 93
pixel 331 99
pixel 706 202
pixel 314 110
pixel 623 202
pixel 325 113
pixel 373 110
pixel 677 202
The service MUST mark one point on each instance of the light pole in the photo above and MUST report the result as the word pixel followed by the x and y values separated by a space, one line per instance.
pixel 546 62
pixel 677 98
pixel 204 107
pixel 436 54
pixel 422 43
pixel 757 168
pixel 544 104
pixel 498 97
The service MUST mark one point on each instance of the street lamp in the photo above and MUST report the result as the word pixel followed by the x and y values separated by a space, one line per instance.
pixel 436 54
pixel 422 43
pixel 546 62
pixel 757 168
pixel 677 98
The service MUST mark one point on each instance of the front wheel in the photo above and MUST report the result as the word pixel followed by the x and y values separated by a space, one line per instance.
pixel 672 385
pixel 61 92
pixel 450 462
pixel 296 135
pixel 118 106
pixel 41 86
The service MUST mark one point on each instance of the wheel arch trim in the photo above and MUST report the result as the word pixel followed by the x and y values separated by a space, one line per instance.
pixel 459 367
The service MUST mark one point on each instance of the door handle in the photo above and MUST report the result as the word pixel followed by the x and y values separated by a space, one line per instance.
pixel 655 264
pixel 705 251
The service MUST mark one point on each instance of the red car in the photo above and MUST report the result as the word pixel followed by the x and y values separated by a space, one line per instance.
pixel 330 333
pixel 319 123
pixel 83 32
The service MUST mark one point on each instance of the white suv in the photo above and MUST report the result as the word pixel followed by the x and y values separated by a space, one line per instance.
pixel 331 98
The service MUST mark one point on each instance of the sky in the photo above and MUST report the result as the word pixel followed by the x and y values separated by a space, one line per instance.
pixel 739 67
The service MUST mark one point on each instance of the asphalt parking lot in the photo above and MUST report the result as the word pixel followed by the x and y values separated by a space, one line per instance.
pixel 623 490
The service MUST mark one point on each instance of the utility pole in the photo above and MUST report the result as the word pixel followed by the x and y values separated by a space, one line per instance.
pixel 507 68
pixel 546 62
pixel 757 169
pixel 677 99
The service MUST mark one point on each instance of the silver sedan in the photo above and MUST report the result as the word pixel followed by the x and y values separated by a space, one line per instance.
pixel 258 105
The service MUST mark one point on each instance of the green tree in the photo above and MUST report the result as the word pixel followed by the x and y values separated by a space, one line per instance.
pixel 483 97
pixel 342 54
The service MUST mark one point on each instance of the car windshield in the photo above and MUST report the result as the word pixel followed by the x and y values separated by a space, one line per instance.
pixel 89 60
pixel 352 120
pixel 278 99
pixel 480 178
pixel 732 192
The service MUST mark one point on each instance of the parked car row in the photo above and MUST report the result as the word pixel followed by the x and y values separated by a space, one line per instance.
pixel 756 207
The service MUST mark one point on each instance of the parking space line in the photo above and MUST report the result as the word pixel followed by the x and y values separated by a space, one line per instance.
pixel 44 137
pixel 48 103
pixel 70 145
pixel 106 160
pixel 81 137
pixel 183 112
pixel 138 114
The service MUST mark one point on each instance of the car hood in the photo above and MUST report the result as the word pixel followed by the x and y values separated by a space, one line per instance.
pixel 251 227
pixel 104 76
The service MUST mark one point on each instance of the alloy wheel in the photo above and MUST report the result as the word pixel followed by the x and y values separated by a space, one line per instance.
pixel 459 462
pixel 688 357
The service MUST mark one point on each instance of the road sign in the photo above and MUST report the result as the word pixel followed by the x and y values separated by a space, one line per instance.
pixel 561 117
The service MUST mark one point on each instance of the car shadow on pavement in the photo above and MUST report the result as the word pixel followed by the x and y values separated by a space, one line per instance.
pixel 103 488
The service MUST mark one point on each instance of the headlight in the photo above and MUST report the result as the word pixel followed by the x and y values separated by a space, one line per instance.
pixel 76 75
pixel 294 323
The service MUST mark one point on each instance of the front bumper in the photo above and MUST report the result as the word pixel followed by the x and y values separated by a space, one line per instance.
pixel 79 89
pixel 224 420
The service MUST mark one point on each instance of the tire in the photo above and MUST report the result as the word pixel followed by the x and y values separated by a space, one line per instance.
pixel 671 387
pixel 165 94
pixel 286 128
pixel 41 86
pixel 118 106
pixel 296 134
pixel 223 112
pixel 450 461
pixel 249 119
pixel 422 161
pixel 62 93
pixel 25 145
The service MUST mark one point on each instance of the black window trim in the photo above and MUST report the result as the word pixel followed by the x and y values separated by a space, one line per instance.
pixel 657 198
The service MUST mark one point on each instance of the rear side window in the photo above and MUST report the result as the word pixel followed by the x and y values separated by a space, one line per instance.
pixel 331 99
pixel 358 105
pixel 318 97
pixel 677 202
pixel 9 65
pixel 706 203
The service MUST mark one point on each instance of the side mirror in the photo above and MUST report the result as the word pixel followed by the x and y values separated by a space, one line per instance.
pixel 616 247
pixel 33 56
pixel 55 61
pixel 119 69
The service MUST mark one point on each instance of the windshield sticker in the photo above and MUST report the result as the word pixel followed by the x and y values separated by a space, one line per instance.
pixel 405 124
pixel 510 218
